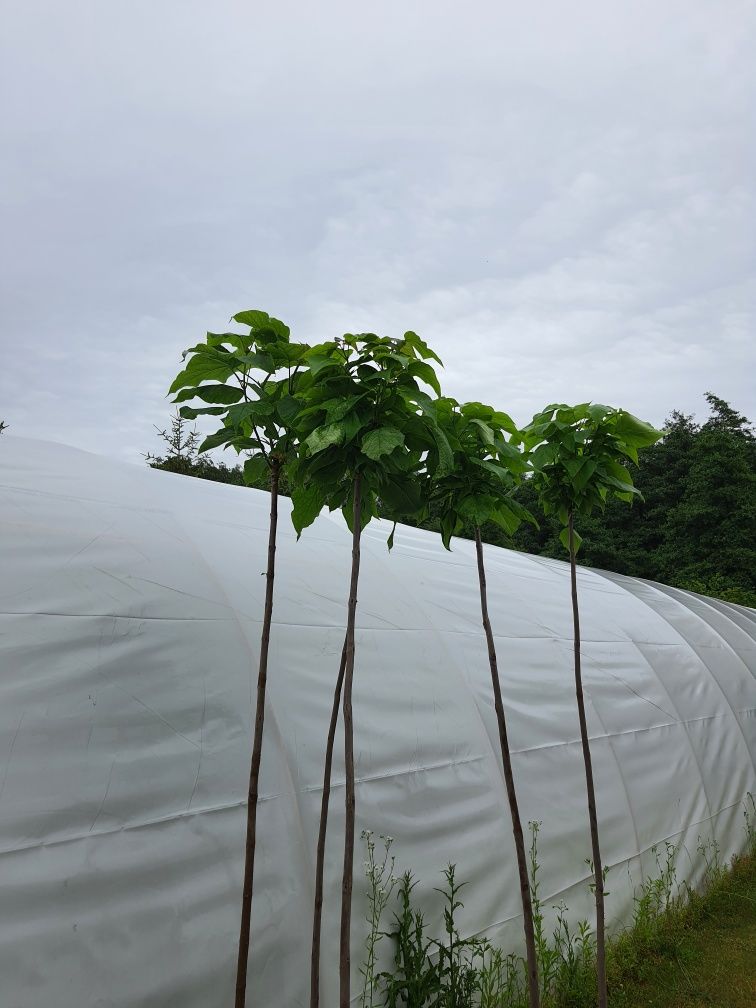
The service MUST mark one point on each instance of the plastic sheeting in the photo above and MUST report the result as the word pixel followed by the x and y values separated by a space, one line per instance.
pixel 131 602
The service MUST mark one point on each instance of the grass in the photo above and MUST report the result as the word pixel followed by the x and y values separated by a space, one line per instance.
pixel 685 948
pixel 704 956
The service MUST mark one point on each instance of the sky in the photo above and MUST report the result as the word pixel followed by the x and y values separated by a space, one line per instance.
pixel 559 197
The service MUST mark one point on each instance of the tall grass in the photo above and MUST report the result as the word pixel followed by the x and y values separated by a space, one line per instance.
pixel 452 971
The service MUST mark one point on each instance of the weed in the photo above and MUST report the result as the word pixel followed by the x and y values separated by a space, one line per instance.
pixel 381 883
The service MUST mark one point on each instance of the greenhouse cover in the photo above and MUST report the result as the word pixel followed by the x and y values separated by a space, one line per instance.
pixel 130 604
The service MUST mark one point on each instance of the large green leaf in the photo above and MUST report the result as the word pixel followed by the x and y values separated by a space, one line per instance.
pixel 224 436
pixel 381 442
pixel 211 394
pixel 191 412
pixel 323 437
pixel 423 371
pixel 256 471
pixel 564 538
pixel 308 502
pixel 421 347
pixel 443 450
pixel 635 432
pixel 206 364
pixel 401 498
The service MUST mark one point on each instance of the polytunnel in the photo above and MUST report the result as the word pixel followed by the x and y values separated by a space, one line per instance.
pixel 131 602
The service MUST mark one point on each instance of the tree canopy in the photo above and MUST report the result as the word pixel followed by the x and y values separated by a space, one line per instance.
pixel 695 527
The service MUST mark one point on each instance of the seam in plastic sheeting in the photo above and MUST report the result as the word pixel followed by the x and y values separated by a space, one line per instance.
pixel 702 664
pixel 712 675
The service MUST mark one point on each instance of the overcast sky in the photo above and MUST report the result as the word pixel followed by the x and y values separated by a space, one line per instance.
pixel 559 197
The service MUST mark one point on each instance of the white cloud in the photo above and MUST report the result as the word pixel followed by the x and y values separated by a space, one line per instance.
pixel 560 199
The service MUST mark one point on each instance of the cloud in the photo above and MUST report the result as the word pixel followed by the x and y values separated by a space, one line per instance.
pixel 560 199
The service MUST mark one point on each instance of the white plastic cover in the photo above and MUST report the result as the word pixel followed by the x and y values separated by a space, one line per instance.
pixel 131 603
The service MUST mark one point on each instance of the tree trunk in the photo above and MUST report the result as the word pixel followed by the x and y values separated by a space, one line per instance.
pixel 522 863
pixel 320 858
pixel 598 873
pixel 254 770
pixel 346 884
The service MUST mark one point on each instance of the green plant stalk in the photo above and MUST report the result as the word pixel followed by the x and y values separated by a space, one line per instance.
pixel 254 771
pixel 598 873
pixel 349 798
pixel 317 916
pixel 506 758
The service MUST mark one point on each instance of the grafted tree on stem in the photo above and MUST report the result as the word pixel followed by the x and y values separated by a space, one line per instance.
pixel 365 436
pixel 249 381
pixel 580 455
pixel 485 470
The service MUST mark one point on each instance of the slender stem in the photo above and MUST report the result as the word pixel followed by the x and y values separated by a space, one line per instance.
pixel 346 883
pixel 506 758
pixel 320 857
pixel 598 873
pixel 254 770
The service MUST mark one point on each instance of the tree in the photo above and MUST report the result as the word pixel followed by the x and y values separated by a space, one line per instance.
pixel 363 436
pixel 236 375
pixel 478 489
pixel 578 455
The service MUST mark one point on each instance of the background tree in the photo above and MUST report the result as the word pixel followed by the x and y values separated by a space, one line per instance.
pixel 364 438
pixel 236 375
pixel 478 489
pixel 578 455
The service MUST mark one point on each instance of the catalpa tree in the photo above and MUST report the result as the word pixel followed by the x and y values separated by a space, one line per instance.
pixel 580 455
pixel 365 435
pixel 486 470
pixel 249 382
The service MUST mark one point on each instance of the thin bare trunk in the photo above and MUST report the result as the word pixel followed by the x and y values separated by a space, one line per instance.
pixel 320 858
pixel 346 884
pixel 254 770
pixel 598 873
pixel 522 863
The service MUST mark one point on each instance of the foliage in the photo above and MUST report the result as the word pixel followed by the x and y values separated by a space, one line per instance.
pixel 578 456
pixel 696 525
pixel 249 380
pixel 652 539
pixel 476 485
pixel 365 414
pixel 428 972
pixel 381 880
pixel 667 915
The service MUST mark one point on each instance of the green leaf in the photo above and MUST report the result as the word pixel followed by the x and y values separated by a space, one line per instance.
pixel 221 437
pixel 211 394
pixel 477 507
pixel 308 502
pixel 253 318
pixel 287 408
pixel 381 442
pixel 506 517
pixel 323 437
pixel 402 497
pixel 443 450
pixel 205 364
pixel 421 347
pixel 256 471
pixel 260 361
pixel 635 432
pixel 426 374
pixel 191 412
pixel 390 540
pixel 564 538
pixel 486 432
